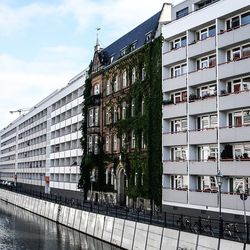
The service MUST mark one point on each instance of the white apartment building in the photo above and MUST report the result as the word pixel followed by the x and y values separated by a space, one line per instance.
pixel 206 108
pixel 42 148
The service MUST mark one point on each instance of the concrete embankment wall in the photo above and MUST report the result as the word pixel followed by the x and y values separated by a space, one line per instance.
pixel 119 232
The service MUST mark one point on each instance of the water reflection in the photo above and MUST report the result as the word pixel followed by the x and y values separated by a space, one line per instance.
pixel 22 230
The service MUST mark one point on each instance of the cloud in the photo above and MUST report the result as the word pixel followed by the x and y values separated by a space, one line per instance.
pixel 13 20
pixel 23 84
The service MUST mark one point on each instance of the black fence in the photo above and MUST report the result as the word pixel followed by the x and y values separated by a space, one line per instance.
pixel 205 226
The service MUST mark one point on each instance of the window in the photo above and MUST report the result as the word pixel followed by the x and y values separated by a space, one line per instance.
pixel 96 145
pixel 124 107
pixel 108 115
pixel 96 116
pixel 142 106
pixel 245 18
pixel 239 118
pixel 238 52
pixel 236 21
pixel 123 52
pixel 115 114
pixel 143 145
pixel 133 108
pixel 133 46
pixel 207 121
pixel 108 87
pixel 115 142
pixel 206 153
pixel 237 85
pixel 148 36
pixel 178 154
pixel 179 96
pixel 205 62
pixel 178 70
pixel 124 79
pixel 133 139
pixel 179 182
pixel 90 146
pixel 91 120
pixel 207 183
pixel 179 125
pixel 182 13
pixel 206 32
pixel 178 43
pixel 206 91
pixel 205 3
pixel 246 50
pixel 115 84
pixel 133 75
pixel 123 140
pixel 96 89
pixel 143 73
pixel 107 144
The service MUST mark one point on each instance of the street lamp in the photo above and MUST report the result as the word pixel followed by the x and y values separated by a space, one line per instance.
pixel 92 179
pixel 219 178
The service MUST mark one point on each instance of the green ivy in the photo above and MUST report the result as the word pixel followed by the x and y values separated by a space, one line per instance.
pixel 143 162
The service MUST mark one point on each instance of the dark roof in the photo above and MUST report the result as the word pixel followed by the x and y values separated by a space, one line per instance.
pixel 138 34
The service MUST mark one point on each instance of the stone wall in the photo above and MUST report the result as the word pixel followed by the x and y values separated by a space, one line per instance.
pixel 119 232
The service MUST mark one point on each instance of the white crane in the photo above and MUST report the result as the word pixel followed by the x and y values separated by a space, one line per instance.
pixel 20 111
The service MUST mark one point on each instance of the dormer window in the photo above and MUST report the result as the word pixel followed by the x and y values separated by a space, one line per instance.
pixel 148 36
pixel 133 46
pixel 123 52
pixel 111 59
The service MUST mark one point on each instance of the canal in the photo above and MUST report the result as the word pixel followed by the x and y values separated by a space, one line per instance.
pixel 22 230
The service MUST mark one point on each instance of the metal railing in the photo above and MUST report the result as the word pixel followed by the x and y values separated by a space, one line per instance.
pixel 204 226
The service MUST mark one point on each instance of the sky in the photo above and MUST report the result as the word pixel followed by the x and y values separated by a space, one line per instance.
pixel 45 43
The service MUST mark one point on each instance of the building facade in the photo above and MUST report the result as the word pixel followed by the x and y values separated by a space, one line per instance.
pixel 42 148
pixel 123 146
pixel 206 107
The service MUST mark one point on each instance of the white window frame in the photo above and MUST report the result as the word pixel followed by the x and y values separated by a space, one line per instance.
pixel 124 109
pixel 115 143
pixel 133 139
pixel 133 75
pixel 91 117
pixel 124 79
pixel 108 87
pixel 97 89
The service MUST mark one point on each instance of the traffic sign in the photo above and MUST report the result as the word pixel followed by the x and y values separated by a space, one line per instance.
pixel 243 196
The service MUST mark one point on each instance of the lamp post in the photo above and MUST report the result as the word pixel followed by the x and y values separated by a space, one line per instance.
pixel 219 178
pixel 243 197
pixel 92 179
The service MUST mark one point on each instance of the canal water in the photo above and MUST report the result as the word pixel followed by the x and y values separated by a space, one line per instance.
pixel 22 230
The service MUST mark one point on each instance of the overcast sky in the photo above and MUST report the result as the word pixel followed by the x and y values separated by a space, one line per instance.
pixel 45 43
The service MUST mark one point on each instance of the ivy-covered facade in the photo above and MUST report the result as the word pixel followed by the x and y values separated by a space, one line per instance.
pixel 121 140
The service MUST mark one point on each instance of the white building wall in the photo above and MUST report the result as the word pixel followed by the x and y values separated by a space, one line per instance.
pixel 192 167
pixel 28 144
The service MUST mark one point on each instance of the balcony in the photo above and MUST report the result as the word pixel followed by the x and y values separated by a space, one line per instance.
pixel 176 139
pixel 203 106
pixel 174 110
pixel 203 136
pixel 234 68
pixel 230 201
pixel 235 100
pixel 202 76
pixel 173 195
pixel 203 198
pixel 175 55
pixel 175 167
pixel 234 36
pixel 235 168
pixel 203 167
pixel 201 47
pixel 175 83
pixel 235 134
